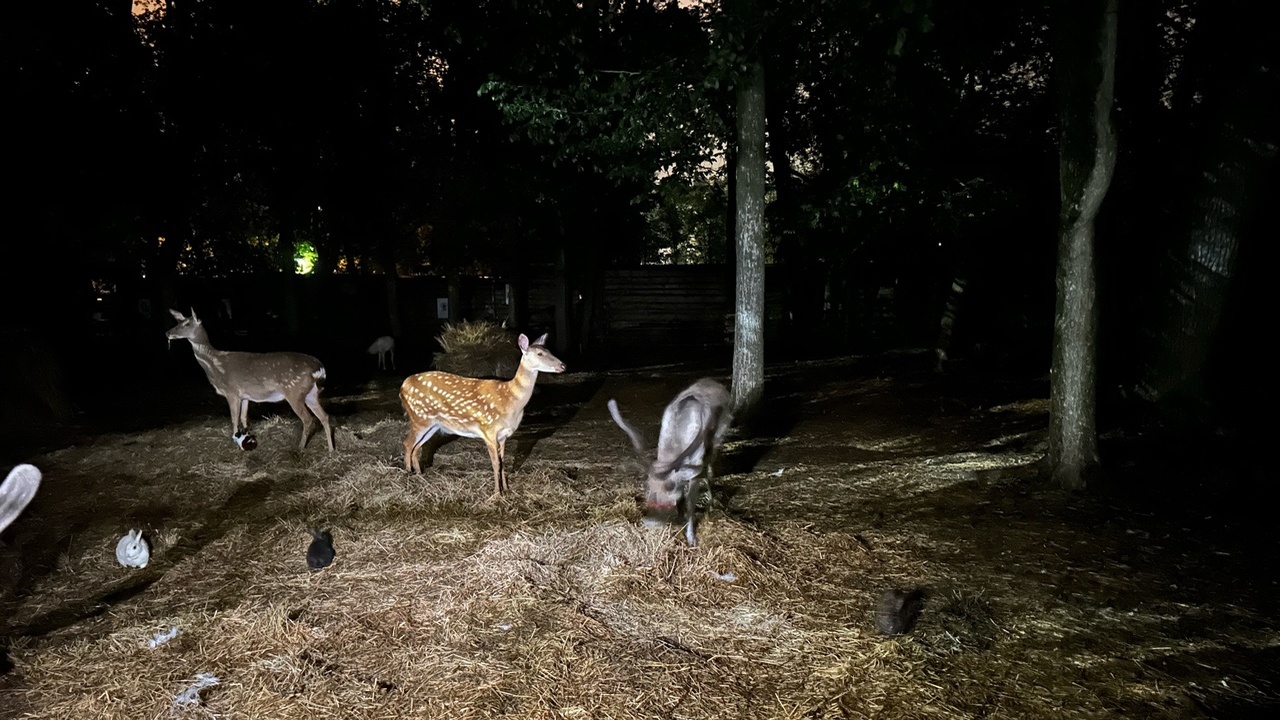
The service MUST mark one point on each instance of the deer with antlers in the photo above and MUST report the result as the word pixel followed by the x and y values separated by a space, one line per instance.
pixel 693 428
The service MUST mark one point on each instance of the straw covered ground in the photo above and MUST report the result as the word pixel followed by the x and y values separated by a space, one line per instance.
pixel 558 603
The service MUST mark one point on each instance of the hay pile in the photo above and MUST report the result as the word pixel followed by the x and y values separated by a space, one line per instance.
pixel 480 348
pixel 558 604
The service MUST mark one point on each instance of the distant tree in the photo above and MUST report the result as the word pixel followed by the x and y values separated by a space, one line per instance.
pixel 71 75
pixel 1085 71
pixel 737 42
pixel 608 106
pixel 618 105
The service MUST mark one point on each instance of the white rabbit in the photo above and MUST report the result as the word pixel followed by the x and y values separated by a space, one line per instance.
pixel 16 491
pixel 132 550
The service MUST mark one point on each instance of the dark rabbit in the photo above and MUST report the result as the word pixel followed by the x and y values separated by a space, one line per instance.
pixel 898 610
pixel 320 554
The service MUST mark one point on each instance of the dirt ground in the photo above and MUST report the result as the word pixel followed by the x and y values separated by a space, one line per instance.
pixel 1155 597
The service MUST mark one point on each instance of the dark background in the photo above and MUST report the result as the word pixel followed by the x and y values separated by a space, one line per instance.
pixel 539 151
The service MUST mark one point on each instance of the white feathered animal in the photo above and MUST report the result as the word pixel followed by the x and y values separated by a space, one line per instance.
pixel 132 550
pixel 381 347
pixel 16 491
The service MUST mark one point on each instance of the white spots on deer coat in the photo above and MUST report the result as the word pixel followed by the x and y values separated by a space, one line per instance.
pixel 465 403
pixel 244 377
pixel 471 407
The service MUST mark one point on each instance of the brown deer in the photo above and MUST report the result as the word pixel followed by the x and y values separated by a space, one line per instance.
pixel 244 377
pixel 487 409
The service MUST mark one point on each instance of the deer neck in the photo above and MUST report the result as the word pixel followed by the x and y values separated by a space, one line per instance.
pixel 209 357
pixel 521 386
pixel 200 342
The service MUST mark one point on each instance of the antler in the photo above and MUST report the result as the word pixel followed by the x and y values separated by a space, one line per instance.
pixel 636 440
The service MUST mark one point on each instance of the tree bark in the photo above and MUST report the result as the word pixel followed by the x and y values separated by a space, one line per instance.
pixel 748 337
pixel 561 340
pixel 1199 270
pixel 1086 73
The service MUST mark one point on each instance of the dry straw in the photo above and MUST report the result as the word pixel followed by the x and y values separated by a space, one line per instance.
pixel 557 603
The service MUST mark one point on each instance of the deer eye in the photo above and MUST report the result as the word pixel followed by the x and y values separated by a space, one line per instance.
pixel 669 486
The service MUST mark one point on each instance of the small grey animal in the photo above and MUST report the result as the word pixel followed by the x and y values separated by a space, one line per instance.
pixel 898 610
pixel 320 553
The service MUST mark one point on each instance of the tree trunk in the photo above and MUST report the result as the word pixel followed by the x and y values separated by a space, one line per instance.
pixel 748 337
pixel 731 207
pixel 386 256
pixel 1086 73
pixel 561 342
pixel 292 311
pixel 453 283
pixel 946 327
pixel 1199 270
pixel 391 281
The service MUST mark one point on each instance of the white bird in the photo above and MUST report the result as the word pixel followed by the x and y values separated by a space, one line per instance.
pixel 382 346
pixel 16 491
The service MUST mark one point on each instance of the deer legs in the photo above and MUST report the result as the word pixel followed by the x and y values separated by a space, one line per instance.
pixel 416 439
pixel 300 410
pixel 312 401
pixel 239 408
pixel 495 457
pixel 413 447
pixel 498 456
pixel 304 408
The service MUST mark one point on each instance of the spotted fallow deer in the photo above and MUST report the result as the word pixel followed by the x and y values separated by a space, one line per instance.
pixel 477 408
pixel 244 377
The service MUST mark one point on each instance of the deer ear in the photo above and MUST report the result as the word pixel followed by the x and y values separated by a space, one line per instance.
pixel 523 342
pixel 193 315
pixel 542 340
pixel 177 315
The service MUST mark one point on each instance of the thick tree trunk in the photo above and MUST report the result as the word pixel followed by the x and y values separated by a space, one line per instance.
pixel 748 338
pixel 1199 270
pixel 731 208
pixel 804 293
pixel 1086 71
